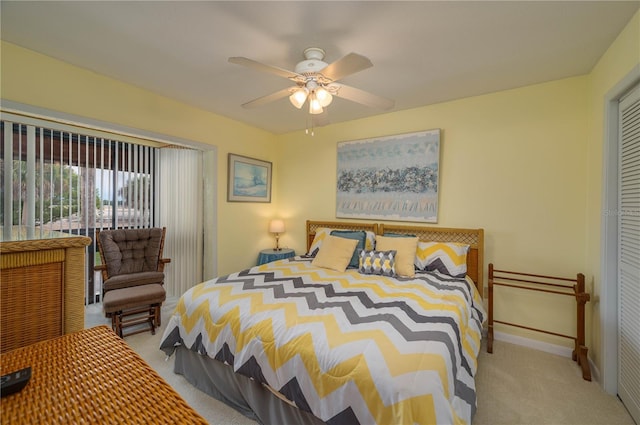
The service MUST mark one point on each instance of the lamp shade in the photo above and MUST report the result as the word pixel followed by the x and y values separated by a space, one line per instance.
pixel 276 226
pixel 315 107
pixel 298 97
pixel 324 97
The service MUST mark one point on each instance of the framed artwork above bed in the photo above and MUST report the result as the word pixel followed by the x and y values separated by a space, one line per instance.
pixel 390 178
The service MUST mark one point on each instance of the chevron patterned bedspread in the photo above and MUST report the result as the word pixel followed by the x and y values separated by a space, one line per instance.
pixel 348 347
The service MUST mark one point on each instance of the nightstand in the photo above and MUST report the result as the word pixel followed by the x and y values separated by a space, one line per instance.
pixel 269 255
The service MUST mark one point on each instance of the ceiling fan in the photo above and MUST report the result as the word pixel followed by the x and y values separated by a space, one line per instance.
pixel 315 81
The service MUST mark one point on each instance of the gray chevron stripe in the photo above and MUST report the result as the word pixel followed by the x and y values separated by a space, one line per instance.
pixel 358 307
pixel 278 290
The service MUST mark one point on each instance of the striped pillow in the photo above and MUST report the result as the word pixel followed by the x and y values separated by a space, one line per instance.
pixel 444 257
pixel 378 262
pixel 321 234
pixel 370 240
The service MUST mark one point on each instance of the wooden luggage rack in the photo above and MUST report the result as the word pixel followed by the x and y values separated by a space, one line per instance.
pixel 548 284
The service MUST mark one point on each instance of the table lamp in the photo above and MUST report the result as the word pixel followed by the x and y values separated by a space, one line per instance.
pixel 276 227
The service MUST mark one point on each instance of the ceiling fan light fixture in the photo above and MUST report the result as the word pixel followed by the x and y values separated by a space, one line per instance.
pixel 315 107
pixel 298 97
pixel 324 97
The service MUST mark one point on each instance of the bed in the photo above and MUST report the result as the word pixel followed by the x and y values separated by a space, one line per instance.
pixel 297 341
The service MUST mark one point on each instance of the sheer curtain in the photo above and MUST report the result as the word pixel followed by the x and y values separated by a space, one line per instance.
pixel 180 210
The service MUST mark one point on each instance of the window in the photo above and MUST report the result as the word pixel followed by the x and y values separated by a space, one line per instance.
pixel 56 180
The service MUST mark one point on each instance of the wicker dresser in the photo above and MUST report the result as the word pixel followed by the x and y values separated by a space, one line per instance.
pixel 90 377
pixel 42 279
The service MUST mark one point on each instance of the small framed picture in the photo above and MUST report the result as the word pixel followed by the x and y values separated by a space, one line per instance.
pixel 249 179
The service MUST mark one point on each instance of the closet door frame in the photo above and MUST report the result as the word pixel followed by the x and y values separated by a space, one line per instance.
pixel 629 254
pixel 609 235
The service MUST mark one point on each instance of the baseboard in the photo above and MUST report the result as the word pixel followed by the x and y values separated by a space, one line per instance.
pixel 532 343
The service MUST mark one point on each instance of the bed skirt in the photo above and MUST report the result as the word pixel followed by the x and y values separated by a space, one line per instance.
pixel 243 394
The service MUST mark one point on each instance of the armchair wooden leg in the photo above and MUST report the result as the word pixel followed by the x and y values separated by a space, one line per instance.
pixel 116 323
pixel 113 322
pixel 152 318
pixel 152 326
pixel 158 315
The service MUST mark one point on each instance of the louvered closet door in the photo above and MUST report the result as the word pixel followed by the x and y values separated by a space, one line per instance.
pixel 629 254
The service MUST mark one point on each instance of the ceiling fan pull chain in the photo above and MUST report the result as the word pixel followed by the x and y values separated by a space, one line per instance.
pixel 308 131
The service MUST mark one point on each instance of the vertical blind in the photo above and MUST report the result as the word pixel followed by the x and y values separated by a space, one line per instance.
pixel 62 181
pixel 55 179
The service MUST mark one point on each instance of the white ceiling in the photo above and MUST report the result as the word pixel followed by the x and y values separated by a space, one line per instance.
pixel 423 52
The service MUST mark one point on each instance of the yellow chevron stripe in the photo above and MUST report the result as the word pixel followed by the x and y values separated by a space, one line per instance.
pixel 456 303
pixel 332 378
pixel 459 306
pixel 339 375
pixel 456 259
pixel 335 335
pixel 336 377
pixel 374 286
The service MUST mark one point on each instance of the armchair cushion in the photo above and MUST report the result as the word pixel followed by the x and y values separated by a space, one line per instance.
pixel 126 298
pixel 129 251
pixel 132 279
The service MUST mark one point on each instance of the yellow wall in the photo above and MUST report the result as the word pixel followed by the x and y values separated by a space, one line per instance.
pixel 621 57
pixel 512 162
pixel 31 78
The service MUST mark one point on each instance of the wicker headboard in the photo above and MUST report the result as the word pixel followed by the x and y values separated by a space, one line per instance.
pixel 473 237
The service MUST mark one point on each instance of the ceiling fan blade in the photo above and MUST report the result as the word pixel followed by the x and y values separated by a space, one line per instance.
pixel 267 99
pixel 365 98
pixel 347 65
pixel 250 63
